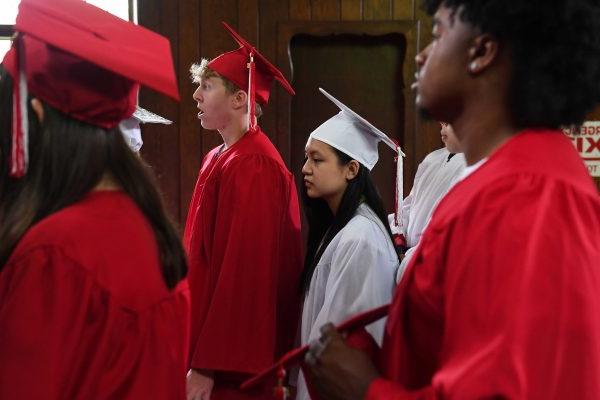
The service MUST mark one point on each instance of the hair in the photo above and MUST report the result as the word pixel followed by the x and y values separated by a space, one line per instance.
pixel 76 155
pixel 555 53
pixel 203 71
pixel 323 226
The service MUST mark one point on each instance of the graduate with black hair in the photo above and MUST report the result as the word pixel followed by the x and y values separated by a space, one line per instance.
pixel 351 260
pixel 94 303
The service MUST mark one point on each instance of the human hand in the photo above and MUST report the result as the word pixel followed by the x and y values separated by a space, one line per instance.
pixel 337 371
pixel 199 386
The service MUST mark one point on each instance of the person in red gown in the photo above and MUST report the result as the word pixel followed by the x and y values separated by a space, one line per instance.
pixel 501 299
pixel 242 233
pixel 94 303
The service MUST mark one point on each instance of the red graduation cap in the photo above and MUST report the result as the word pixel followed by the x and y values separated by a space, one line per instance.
pixel 83 61
pixel 297 355
pixel 247 68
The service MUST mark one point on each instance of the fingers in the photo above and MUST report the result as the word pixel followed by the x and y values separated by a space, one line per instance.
pixel 318 346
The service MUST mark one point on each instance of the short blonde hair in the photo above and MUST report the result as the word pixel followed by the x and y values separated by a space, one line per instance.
pixel 203 71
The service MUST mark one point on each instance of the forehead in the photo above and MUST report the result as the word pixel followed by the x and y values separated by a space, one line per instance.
pixel 213 80
pixel 316 146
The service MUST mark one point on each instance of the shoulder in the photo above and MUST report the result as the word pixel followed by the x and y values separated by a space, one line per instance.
pixel 365 228
pixel 435 156
pixel 256 144
pixel 90 219
pixel 254 165
pixel 107 237
pixel 517 201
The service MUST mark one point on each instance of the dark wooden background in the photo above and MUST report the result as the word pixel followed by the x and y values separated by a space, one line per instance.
pixel 362 51
pixel 276 27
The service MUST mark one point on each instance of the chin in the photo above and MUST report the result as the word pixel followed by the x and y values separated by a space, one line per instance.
pixel 207 126
pixel 311 194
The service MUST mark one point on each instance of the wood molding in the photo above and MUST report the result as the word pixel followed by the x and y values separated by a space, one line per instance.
pixel 409 29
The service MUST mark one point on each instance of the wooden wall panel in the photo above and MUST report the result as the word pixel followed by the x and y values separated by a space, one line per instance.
pixel 325 10
pixel 378 10
pixel 300 10
pixel 190 132
pixel 403 9
pixel 161 143
pixel 351 10
pixel 248 21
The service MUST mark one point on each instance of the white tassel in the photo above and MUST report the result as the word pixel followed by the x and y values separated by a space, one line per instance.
pixel 399 187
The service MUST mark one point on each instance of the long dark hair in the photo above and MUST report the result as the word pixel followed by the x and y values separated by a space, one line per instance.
pixel 323 225
pixel 67 159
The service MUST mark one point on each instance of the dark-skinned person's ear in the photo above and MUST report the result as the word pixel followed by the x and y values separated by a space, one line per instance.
pixel 482 53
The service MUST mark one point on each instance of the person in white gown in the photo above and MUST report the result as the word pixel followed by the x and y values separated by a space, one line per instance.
pixel 435 176
pixel 351 260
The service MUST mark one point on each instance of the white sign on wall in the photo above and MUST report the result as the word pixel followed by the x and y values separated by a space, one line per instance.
pixel 587 143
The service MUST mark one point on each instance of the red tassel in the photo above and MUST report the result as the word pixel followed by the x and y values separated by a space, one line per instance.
pixel 19 156
pixel 281 392
pixel 251 94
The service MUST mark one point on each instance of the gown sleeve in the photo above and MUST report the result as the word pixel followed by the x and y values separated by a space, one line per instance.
pixel 519 300
pixel 256 253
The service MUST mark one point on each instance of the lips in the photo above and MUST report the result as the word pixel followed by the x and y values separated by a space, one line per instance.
pixel 415 84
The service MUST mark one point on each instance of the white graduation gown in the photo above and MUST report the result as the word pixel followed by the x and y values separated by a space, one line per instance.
pixel 355 273
pixel 434 178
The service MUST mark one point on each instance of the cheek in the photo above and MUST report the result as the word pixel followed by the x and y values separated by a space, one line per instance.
pixel 327 181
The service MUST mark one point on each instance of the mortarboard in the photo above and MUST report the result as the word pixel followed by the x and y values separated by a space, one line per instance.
pixel 355 136
pixel 83 61
pixel 296 356
pixel 250 71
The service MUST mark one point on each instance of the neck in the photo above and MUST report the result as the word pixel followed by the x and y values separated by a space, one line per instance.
pixel 107 183
pixel 334 202
pixel 483 127
pixel 234 131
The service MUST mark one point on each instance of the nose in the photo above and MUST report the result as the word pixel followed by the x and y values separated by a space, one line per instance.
pixel 422 56
pixel 305 168
pixel 197 95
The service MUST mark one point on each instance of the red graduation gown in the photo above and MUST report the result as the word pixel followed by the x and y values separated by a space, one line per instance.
pixel 502 298
pixel 243 239
pixel 85 313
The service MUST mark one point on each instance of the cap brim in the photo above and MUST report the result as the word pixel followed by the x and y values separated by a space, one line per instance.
pixel 148 117
pixel 384 138
pixel 296 355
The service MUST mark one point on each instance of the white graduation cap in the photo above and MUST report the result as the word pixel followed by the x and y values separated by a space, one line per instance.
pixel 355 136
pixel 131 126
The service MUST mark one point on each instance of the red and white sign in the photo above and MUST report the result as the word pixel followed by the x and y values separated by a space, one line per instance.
pixel 587 143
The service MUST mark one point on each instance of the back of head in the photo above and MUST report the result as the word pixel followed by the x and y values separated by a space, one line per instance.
pixel 85 66
pixel 554 48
